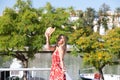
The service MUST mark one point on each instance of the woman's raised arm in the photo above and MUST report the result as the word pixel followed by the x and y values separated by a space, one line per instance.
pixel 48 33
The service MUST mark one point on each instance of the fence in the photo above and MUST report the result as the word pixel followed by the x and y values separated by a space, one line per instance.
pixel 90 74
pixel 33 73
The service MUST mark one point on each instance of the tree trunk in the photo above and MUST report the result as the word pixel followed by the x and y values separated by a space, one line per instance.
pixel 101 72
pixel 25 65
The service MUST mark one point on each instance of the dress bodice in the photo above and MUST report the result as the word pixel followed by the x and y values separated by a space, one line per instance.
pixel 55 57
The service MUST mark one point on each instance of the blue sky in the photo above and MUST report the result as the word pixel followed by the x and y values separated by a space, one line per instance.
pixel 77 4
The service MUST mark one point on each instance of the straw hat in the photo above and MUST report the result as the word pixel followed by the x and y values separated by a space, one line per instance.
pixel 49 30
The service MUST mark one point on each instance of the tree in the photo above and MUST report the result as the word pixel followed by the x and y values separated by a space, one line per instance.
pixel 80 22
pixel 117 10
pixel 93 53
pixel 82 32
pixel 55 17
pixel 89 17
pixel 103 16
pixel 71 11
pixel 21 31
pixel 21 5
pixel 116 14
pixel 104 8
pixel 100 51
pixel 112 39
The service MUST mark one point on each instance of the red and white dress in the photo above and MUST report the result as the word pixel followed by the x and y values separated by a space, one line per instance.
pixel 56 72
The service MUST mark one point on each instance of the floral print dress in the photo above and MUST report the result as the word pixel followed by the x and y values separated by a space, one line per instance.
pixel 56 72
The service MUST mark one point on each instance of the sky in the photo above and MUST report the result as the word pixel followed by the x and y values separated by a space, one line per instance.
pixel 76 4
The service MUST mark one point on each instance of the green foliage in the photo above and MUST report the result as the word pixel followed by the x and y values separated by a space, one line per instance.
pixel 19 30
pixel 98 50
pixel 55 19
pixel 104 22
pixel 89 43
pixel 22 28
pixel 3 59
pixel 112 39
pixel 97 59
pixel 89 17
pixel 77 34
pixel 74 51
pixel 22 5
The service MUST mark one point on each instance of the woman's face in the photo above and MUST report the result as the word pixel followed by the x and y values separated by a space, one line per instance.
pixel 61 40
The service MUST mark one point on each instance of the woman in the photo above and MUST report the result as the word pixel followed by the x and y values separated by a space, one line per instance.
pixel 57 68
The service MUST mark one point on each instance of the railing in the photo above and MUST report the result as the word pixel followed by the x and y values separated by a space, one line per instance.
pixel 89 74
pixel 16 74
